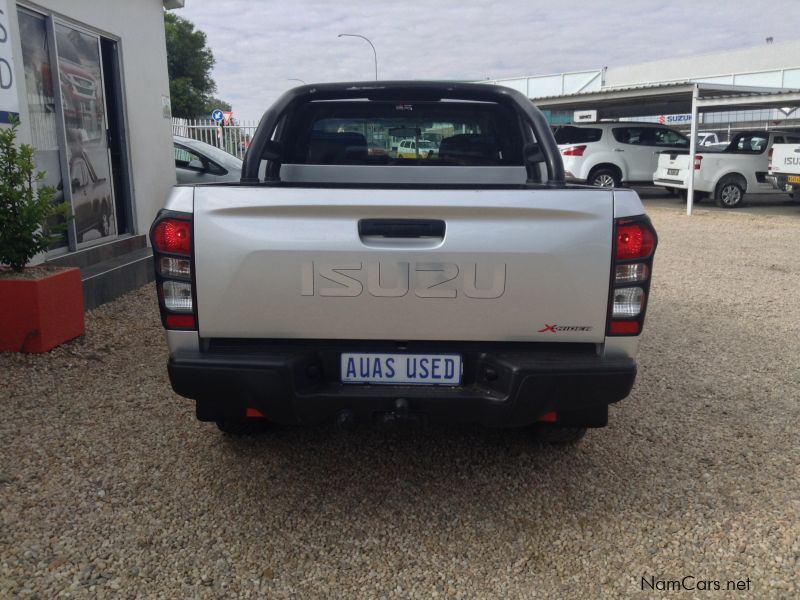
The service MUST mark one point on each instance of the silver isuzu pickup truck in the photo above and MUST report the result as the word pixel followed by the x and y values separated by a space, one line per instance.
pixel 339 281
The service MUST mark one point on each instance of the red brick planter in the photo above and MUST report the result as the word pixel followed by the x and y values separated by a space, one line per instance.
pixel 39 313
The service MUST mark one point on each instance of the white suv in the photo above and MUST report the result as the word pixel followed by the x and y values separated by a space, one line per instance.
pixel 609 154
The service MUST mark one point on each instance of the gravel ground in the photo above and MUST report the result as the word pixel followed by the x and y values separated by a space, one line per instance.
pixel 109 485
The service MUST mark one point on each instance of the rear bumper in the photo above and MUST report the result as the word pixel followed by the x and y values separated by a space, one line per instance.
pixel 673 183
pixel 780 182
pixel 503 385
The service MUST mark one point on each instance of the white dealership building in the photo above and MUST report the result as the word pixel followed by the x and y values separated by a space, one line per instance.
pixel 87 80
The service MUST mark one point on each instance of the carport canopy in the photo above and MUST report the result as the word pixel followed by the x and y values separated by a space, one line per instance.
pixel 673 98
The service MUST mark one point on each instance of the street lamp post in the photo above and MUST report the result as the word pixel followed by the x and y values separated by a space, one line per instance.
pixel 374 53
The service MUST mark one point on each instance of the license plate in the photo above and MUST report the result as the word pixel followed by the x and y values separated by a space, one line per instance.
pixel 673 171
pixel 419 369
pixel 793 179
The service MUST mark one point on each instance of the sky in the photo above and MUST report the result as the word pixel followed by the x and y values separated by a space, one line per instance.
pixel 260 44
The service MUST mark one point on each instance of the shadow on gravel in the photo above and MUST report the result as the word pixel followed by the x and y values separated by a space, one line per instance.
pixel 443 472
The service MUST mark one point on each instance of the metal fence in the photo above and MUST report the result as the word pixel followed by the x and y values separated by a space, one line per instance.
pixel 234 138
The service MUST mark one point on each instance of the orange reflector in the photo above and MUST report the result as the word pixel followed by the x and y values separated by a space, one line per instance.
pixel 624 327
pixel 179 321
pixel 253 413
pixel 550 417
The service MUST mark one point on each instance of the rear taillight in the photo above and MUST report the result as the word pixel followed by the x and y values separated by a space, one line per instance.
pixel 769 160
pixel 171 237
pixel 698 159
pixel 573 151
pixel 635 243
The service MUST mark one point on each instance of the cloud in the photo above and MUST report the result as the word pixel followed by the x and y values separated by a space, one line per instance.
pixel 260 44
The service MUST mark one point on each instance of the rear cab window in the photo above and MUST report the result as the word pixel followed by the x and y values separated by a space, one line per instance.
pixel 437 134
pixel 749 142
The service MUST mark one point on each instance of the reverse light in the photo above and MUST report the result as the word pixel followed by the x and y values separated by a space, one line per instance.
pixel 628 302
pixel 175 267
pixel 177 296
pixel 173 236
pixel 573 151
pixel 631 273
pixel 634 240
pixel 698 159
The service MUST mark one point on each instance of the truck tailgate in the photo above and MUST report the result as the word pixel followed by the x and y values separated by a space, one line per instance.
pixel 786 159
pixel 510 264
pixel 673 167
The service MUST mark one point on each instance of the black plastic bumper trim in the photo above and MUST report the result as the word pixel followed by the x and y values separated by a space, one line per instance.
pixel 300 385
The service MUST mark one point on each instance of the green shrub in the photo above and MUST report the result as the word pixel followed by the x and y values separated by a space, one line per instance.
pixel 24 206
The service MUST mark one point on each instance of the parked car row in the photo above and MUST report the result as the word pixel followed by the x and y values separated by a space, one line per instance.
pixel 726 176
pixel 616 153
pixel 610 154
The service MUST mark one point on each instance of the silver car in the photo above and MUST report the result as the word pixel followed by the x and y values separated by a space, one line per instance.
pixel 198 162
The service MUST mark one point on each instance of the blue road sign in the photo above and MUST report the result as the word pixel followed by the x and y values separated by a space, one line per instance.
pixel 217 115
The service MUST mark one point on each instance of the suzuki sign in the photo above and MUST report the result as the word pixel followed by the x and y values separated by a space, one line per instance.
pixel 674 119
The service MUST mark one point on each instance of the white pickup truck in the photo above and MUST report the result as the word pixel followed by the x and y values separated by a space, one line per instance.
pixel 726 176
pixel 784 169
pixel 472 285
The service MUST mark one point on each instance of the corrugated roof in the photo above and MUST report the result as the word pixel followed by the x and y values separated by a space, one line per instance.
pixel 669 98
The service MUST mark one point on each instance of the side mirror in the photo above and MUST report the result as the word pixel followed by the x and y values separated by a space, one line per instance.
pixel 196 165
pixel 215 169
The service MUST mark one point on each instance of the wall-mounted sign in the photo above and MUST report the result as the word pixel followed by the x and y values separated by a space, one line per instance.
pixel 585 116
pixel 674 119
pixel 9 101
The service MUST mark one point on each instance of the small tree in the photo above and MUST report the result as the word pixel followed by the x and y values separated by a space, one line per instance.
pixel 189 62
pixel 24 206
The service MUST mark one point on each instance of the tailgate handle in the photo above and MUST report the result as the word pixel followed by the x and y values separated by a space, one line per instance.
pixel 401 228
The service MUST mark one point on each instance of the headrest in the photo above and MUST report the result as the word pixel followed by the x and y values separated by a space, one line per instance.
pixel 332 148
pixel 469 146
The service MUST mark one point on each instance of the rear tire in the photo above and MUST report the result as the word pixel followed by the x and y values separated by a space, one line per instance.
pixel 729 192
pixel 242 427
pixel 556 434
pixel 604 177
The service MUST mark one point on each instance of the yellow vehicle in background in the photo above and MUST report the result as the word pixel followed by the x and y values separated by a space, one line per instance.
pixel 411 148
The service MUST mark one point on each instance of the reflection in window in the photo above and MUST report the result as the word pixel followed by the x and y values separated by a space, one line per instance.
pixel 41 106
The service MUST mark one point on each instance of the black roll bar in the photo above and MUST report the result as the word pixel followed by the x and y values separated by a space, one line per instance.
pixel 262 147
